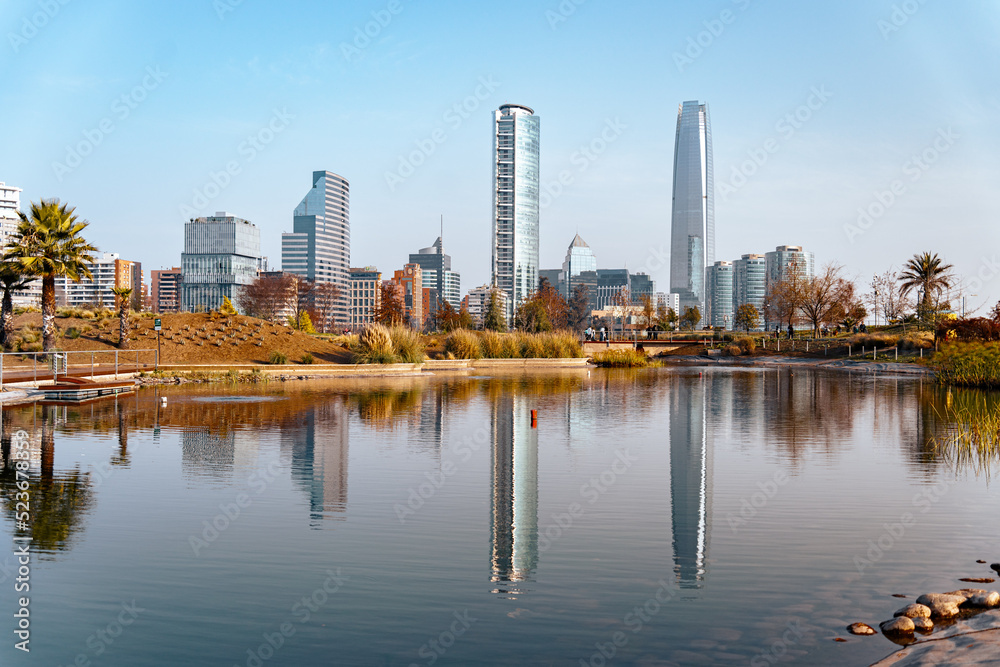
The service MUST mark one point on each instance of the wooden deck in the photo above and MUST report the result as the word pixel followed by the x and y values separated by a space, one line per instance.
pixel 81 390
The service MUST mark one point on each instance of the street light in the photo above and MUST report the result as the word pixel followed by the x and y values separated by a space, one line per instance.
pixel 876 309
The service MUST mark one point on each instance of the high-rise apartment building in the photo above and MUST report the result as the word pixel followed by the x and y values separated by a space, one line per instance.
pixel 692 233
pixel 165 289
pixel 784 263
pixel 477 300
pixel 750 282
pixel 579 258
pixel 515 202
pixel 107 271
pixel 10 204
pixel 221 254
pixel 319 246
pixel 435 267
pixel 409 281
pixel 719 302
pixel 366 292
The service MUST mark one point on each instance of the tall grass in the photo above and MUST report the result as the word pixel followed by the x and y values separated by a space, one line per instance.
pixel 620 358
pixel 382 345
pixel 969 365
pixel 973 438
pixel 407 345
pixel 463 344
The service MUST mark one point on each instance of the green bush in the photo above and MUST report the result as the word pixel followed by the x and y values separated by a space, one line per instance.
pixel 72 332
pixel 969 365
pixel 308 358
pixel 463 344
pixel 626 358
pixel 277 358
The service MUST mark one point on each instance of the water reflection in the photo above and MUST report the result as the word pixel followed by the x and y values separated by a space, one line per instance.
pixel 691 476
pixel 514 497
pixel 317 441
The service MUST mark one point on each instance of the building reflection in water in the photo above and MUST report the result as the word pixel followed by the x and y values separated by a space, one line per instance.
pixel 690 480
pixel 514 536
pixel 317 441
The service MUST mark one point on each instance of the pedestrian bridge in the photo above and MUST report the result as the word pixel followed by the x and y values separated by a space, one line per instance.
pixel 650 347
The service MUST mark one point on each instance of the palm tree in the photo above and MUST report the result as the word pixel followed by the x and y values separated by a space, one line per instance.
pixel 48 243
pixel 927 274
pixel 124 325
pixel 12 278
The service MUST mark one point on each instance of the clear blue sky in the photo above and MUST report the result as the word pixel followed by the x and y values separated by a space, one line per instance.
pixel 199 78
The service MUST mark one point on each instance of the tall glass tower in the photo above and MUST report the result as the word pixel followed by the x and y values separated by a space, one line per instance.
pixel 579 258
pixel 515 202
pixel 692 234
pixel 319 246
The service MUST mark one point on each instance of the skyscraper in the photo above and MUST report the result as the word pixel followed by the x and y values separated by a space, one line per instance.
pixel 221 254
pixel 319 246
pixel 515 202
pixel 579 258
pixel 692 234
pixel 749 282
pixel 435 267
pixel 719 304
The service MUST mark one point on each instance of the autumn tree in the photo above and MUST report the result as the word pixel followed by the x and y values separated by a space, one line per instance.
pixel 532 317
pixel 446 318
pixel 826 297
pixel 621 304
pixel 784 296
pixel 553 303
pixel 690 318
pixel 325 299
pixel 266 296
pixel 390 309
pixel 578 309
pixel 648 311
pixel 666 318
pixel 747 317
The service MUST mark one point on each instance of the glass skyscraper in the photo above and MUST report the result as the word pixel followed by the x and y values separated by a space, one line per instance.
pixel 221 254
pixel 692 235
pixel 436 272
pixel 749 283
pixel 319 246
pixel 515 202
pixel 579 258
pixel 719 304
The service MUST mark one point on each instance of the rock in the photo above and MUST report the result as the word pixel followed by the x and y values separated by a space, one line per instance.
pixel 860 629
pixel 984 599
pixel 981 562
pixel 898 595
pixel 923 624
pixel 914 611
pixel 901 625
pixel 978 580
pixel 942 605
pixel 996 567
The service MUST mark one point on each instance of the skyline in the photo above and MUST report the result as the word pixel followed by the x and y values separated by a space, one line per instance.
pixel 806 133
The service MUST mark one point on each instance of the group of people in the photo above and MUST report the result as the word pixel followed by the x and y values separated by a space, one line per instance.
pixel 591 332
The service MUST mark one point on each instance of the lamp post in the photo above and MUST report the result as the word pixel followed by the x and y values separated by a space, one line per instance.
pixel 876 309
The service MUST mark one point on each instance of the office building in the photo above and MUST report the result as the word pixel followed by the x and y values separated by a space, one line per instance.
pixel 221 254
pixel 319 245
pixel 165 291
pixel 692 234
pixel 579 258
pixel 750 282
pixel 515 202
pixel 554 278
pixel 366 292
pixel 667 301
pixel 435 267
pixel 409 282
pixel 719 302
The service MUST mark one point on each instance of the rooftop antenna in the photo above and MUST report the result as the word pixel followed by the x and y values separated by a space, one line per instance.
pixel 441 249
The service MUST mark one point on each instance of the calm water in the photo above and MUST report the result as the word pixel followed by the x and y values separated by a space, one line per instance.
pixel 692 516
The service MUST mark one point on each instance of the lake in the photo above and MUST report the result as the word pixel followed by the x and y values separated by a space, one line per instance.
pixel 692 516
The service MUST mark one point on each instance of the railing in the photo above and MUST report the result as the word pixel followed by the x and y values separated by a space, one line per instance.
pixel 33 366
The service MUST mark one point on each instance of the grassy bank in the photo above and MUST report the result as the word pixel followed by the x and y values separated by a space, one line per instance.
pixel 620 358
pixel 969 365
pixel 464 344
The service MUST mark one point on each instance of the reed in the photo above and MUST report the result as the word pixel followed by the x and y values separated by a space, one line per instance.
pixel 969 365
pixel 626 358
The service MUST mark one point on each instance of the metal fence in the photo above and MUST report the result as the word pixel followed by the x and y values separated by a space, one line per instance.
pixel 17 367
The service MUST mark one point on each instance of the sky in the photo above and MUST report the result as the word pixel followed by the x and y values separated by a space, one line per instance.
pixel 864 130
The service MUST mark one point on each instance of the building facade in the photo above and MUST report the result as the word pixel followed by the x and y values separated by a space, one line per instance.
pixel 515 202
pixel 784 263
pixel 319 245
pixel 366 292
pixel 579 258
pixel 478 299
pixel 750 282
pixel 692 233
pixel 435 267
pixel 165 290
pixel 409 281
pixel 221 254
pixel 108 272
pixel 719 302
pixel 10 204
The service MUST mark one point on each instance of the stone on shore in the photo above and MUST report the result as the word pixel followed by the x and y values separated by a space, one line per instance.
pixel 922 624
pixel 942 605
pixel 986 599
pixel 914 611
pixel 860 629
pixel 901 625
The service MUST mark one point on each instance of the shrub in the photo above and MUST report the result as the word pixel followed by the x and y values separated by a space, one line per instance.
pixel 969 364
pixel 496 345
pixel 746 344
pixel 374 346
pixel 407 345
pixel 627 358
pixel 308 358
pixel 734 350
pixel 464 344
pixel 72 332
pixel 277 358
pixel 915 341
pixel 532 346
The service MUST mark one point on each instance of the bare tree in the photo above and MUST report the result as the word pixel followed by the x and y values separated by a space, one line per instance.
pixel 325 298
pixel 826 297
pixel 887 298
pixel 266 296
pixel 785 296
pixel 621 303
